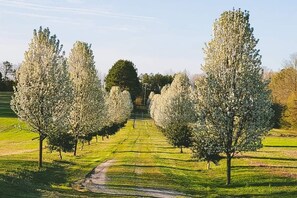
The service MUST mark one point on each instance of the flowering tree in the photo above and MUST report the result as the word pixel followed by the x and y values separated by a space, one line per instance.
pixel 173 110
pixel 127 105
pixel 233 99
pixel 42 96
pixel 118 106
pixel 150 97
pixel 87 110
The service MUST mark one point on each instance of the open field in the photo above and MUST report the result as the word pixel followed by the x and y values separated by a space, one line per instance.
pixel 142 158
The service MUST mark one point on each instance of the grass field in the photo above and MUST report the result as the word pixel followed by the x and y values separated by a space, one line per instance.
pixel 143 158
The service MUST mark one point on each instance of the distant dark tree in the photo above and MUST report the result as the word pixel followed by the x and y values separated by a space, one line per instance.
pixel 124 74
pixel 7 68
pixel 155 82
pixel 7 76
pixel 1 82
pixel 290 113
pixel 277 121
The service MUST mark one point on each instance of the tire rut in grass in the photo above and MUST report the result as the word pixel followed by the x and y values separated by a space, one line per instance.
pixel 97 179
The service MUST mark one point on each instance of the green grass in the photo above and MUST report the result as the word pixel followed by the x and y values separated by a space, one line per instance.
pixel 144 159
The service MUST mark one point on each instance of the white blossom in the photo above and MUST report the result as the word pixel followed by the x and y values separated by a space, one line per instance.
pixel 87 112
pixel 42 96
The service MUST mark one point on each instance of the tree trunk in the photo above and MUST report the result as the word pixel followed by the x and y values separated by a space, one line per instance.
pixel 96 138
pixel 82 145
pixel 60 154
pixel 208 165
pixel 40 151
pixel 228 169
pixel 102 138
pixel 89 142
pixel 75 147
pixel 181 149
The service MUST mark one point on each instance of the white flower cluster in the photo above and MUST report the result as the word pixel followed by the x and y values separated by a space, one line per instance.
pixel 174 104
pixel 118 106
pixel 57 97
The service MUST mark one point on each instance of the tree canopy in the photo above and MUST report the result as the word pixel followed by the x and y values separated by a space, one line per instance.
pixel 42 96
pixel 233 100
pixel 87 109
pixel 173 110
pixel 124 75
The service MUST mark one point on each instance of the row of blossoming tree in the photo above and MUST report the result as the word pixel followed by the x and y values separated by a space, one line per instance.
pixel 228 110
pixel 62 99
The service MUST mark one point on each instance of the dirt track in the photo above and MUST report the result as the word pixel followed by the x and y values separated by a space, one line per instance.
pixel 96 182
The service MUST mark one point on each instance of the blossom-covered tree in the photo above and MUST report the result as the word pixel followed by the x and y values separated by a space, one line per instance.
pixel 173 110
pixel 87 110
pixel 43 94
pixel 150 97
pixel 119 107
pixel 233 99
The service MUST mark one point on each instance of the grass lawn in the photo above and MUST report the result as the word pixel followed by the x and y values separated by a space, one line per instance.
pixel 143 158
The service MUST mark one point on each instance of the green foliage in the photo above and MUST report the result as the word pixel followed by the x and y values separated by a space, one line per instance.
pixel 124 74
pixel 278 120
pixel 206 146
pixel 282 84
pixel 154 82
pixel 179 135
pixel 7 85
pixel 61 142
pixel 291 110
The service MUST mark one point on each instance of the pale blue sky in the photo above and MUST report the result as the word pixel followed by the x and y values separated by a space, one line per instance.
pixel 156 35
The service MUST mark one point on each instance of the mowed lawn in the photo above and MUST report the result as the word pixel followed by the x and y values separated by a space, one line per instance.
pixel 143 158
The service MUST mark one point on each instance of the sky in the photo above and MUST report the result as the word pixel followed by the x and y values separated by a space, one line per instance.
pixel 158 36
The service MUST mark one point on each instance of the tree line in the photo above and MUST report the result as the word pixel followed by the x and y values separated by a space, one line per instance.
pixel 62 99
pixel 283 85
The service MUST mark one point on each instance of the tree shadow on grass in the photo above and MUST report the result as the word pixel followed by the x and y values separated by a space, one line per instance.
pixel 11 186
pixel 179 160
pixel 157 166
pixel 251 186
pixel 268 158
pixel 279 146
pixel 25 180
pixel 152 152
